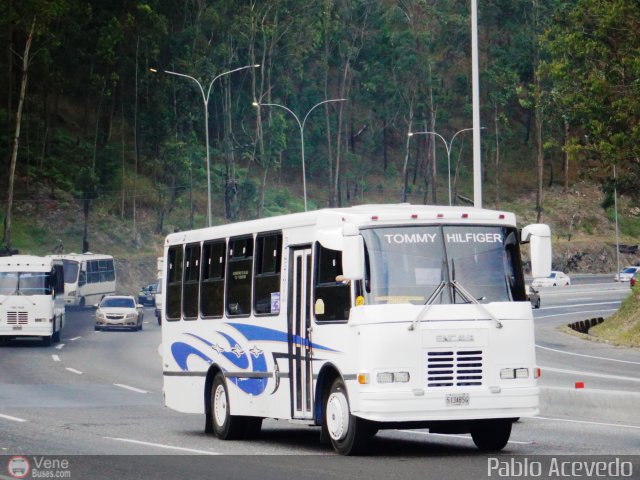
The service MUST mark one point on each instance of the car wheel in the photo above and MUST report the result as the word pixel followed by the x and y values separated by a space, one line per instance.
pixel 491 435
pixel 225 425
pixel 348 434
pixel 538 303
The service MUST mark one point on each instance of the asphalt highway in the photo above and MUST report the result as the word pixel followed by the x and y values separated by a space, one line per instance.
pixel 96 399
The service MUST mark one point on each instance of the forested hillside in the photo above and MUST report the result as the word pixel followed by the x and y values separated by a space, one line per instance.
pixel 90 118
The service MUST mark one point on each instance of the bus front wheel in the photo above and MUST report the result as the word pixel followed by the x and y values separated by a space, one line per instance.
pixel 348 434
pixel 491 435
pixel 225 425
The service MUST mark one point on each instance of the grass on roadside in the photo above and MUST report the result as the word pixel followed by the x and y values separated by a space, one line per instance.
pixel 622 328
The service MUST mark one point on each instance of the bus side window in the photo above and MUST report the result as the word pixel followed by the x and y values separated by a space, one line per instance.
pixel 82 279
pixel 191 281
pixel 239 276
pixel 332 298
pixel 267 278
pixel 174 283
pixel 214 255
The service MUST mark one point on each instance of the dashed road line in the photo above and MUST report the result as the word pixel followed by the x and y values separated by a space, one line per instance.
pixel 590 374
pixel 56 358
pixel 133 389
pixel 160 445
pixel 601 424
pixel 60 346
pixel 73 370
pixel 588 356
pixel 75 338
pixel 13 419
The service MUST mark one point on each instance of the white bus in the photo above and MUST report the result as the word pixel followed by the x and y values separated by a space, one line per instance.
pixel 355 320
pixel 88 277
pixel 31 297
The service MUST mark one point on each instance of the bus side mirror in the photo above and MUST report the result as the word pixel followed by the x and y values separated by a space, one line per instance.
pixel 353 257
pixel 538 235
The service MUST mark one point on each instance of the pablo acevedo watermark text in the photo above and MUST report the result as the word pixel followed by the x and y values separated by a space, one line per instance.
pixel 563 467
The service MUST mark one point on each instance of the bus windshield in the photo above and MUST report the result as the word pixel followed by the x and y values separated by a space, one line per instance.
pixel 71 269
pixel 408 264
pixel 25 283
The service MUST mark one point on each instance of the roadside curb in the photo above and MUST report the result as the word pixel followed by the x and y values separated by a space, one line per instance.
pixel 593 405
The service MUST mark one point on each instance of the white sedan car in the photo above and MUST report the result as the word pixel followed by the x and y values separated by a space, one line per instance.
pixel 554 279
pixel 119 311
pixel 626 273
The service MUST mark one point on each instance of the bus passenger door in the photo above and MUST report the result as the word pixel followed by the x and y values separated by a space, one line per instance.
pixel 299 333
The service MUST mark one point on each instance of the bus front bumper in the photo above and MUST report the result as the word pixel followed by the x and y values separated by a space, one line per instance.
pixel 421 405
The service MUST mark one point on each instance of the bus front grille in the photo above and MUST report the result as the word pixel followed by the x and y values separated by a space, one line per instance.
pixel 17 318
pixel 462 368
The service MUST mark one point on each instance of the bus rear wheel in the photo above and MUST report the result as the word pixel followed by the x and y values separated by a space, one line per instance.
pixel 491 435
pixel 225 425
pixel 349 435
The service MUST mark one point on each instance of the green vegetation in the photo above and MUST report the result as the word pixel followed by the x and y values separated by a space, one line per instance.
pixel 622 328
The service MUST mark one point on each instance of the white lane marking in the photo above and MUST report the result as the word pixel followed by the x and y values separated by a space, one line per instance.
pixel 581 305
pixel 73 370
pixel 75 338
pixel 575 313
pixel 56 358
pixel 588 356
pixel 159 445
pixel 590 374
pixel 13 419
pixel 60 347
pixel 621 425
pixel 133 389
pixel 146 322
pixel 465 437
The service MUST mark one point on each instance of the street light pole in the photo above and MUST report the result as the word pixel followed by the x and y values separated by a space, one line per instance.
pixel 448 148
pixel 301 127
pixel 477 163
pixel 205 102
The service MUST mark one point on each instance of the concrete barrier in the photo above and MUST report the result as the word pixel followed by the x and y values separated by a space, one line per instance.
pixel 607 406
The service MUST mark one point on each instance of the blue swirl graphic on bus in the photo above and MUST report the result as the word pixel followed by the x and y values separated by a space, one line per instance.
pixel 251 361
pixel 181 352
pixel 235 355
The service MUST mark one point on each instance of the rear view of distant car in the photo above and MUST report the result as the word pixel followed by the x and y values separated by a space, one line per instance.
pixel 555 279
pixel 626 274
pixel 147 295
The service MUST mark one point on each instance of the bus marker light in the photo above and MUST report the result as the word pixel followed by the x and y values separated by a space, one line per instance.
pixel 507 373
pixel 414 216
pixel 440 215
pixel 579 384
pixel 385 377
pixel 465 215
pixel 363 378
pixel 522 373
pixel 537 373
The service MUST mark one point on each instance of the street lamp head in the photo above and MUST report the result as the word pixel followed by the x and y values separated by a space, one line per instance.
pixel 257 65
pixel 410 134
pixel 153 70
pixel 255 104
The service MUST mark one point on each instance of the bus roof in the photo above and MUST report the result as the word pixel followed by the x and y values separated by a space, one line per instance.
pixel 26 263
pixel 78 257
pixel 360 216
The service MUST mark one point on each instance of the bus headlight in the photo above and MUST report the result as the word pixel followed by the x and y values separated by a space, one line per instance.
pixel 511 373
pixel 393 377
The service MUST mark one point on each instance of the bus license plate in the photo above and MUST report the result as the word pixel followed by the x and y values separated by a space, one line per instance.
pixel 17 327
pixel 457 399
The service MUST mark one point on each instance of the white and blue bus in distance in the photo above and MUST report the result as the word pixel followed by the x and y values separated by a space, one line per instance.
pixel 88 278
pixel 356 319
pixel 31 297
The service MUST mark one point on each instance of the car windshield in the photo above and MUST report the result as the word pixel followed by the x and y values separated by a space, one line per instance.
pixel 552 275
pixel 25 283
pixel 118 303
pixel 629 270
pixel 409 264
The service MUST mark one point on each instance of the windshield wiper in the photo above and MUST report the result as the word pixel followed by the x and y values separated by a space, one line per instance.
pixel 464 293
pixel 427 305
